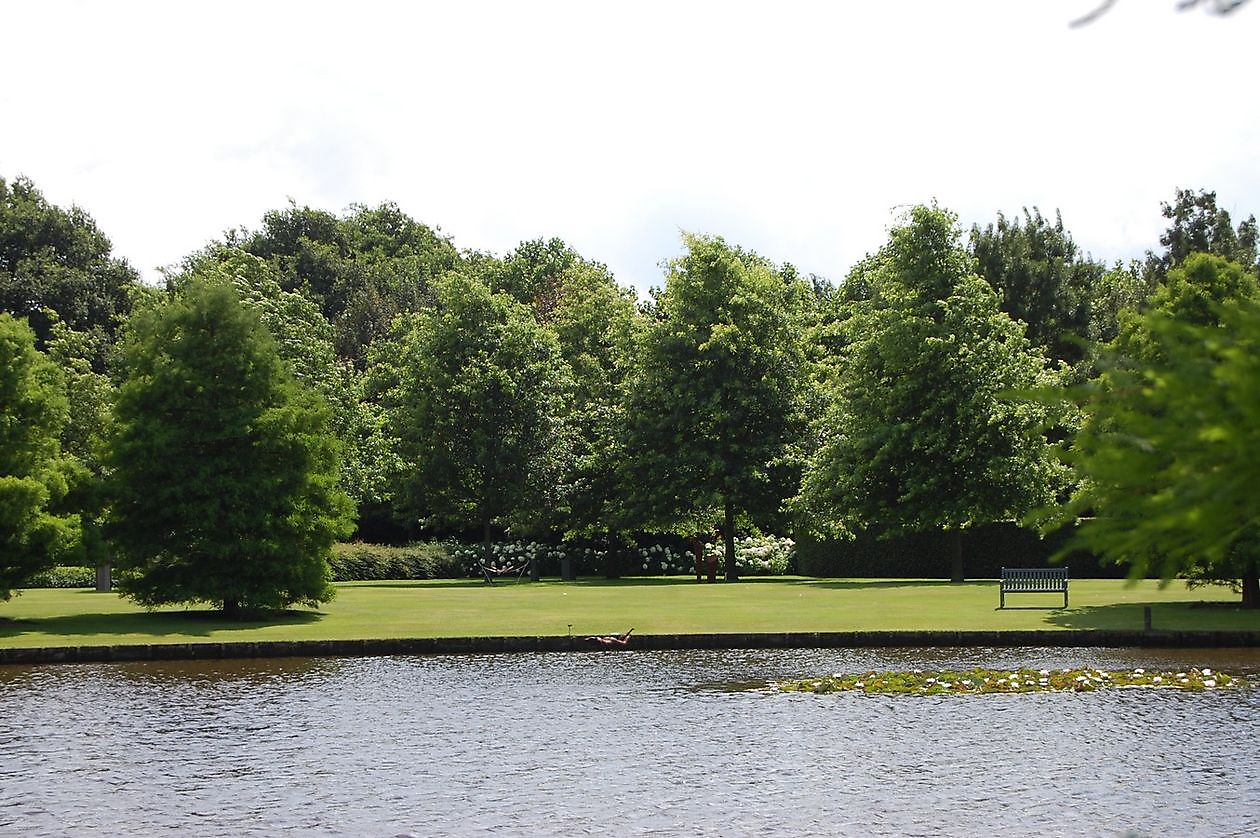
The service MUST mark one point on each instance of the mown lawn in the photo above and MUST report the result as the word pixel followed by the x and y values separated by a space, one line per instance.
pixel 456 608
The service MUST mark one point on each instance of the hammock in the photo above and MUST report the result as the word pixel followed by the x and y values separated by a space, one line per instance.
pixel 496 568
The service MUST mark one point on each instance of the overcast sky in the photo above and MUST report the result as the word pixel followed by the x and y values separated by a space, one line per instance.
pixel 797 129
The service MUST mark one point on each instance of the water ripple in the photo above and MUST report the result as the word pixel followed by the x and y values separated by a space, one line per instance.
pixel 625 744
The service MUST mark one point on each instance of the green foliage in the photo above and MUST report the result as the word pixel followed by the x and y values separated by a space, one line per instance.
pixel 359 562
pixel 924 433
pixel 1199 226
pixel 1042 278
pixel 57 260
pixel 1120 290
pixel 223 472
pixel 90 396
pixel 595 323
pixel 63 576
pixel 871 554
pixel 363 269
pixel 35 477
pixel 474 389
pixel 716 404
pixel 304 339
pixel 1169 451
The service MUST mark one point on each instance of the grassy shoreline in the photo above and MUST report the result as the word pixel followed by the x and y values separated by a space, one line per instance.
pixel 671 605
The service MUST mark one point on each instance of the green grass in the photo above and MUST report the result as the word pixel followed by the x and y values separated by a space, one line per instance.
pixel 456 608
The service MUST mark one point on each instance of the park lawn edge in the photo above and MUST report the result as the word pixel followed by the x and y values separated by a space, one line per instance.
pixel 463 615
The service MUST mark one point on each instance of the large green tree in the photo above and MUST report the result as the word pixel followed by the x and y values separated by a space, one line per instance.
pixel 304 339
pixel 1167 451
pixel 55 259
pixel 363 268
pixel 922 434
pixel 475 391
pixel 223 484
pixel 595 323
pixel 716 403
pixel 1043 279
pixel 1198 225
pixel 34 475
pixel 91 399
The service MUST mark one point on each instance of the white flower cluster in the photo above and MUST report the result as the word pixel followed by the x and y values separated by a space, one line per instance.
pixel 759 555
pixel 513 553
pixel 661 558
pixel 755 555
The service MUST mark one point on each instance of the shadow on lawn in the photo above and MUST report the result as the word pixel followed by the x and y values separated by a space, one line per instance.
pixel 683 581
pixel 151 623
pixel 1165 616
pixel 505 584
pixel 873 584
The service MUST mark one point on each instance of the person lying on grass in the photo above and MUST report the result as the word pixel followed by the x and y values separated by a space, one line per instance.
pixel 612 639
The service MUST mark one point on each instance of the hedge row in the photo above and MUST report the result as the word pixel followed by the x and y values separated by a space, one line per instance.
pixel 359 562
pixel 986 550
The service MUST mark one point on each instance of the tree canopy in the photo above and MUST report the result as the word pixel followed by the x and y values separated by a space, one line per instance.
pixel 1167 452
pixel 363 269
pixel 1198 225
pixel 1043 279
pixel 34 475
pixel 223 471
pixel 58 259
pixel 474 390
pixel 923 433
pixel 715 408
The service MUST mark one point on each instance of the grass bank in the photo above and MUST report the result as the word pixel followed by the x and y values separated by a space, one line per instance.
pixel 458 608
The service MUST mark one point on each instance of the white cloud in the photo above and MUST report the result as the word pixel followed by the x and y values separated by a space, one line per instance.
pixel 794 128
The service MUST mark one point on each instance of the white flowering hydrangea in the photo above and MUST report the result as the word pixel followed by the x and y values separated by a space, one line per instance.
pixel 759 555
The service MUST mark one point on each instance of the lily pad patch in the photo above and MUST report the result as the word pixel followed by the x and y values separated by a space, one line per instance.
pixel 985 681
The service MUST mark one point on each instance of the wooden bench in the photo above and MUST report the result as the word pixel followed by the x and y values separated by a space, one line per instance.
pixel 1033 580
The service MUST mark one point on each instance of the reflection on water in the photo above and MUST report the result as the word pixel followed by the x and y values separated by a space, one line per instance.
pixel 622 744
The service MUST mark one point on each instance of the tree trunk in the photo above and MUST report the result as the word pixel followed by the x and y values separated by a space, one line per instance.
pixel 728 536
pixel 1251 586
pixel 232 609
pixel 955 557
pixel 104 578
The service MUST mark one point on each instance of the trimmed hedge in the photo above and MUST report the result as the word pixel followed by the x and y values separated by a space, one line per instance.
pixel 986 550
pixel 359 562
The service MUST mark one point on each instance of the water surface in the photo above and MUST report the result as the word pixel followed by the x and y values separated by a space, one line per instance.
pixel 614 743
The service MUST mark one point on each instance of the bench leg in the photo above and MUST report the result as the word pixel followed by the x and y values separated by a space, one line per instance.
pixel 1001 598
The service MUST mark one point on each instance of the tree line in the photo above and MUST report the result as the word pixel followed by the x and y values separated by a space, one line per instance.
pixel 325 375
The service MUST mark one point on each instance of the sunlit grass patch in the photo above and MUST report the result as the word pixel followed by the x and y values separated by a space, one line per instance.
pixel 984 681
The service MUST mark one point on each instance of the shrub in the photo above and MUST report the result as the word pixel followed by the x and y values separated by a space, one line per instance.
pixel 359 562
pixel 587 560
pixel 758 555
pixel 63 577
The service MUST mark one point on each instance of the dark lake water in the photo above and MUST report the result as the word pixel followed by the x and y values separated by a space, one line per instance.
pixel 610 743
